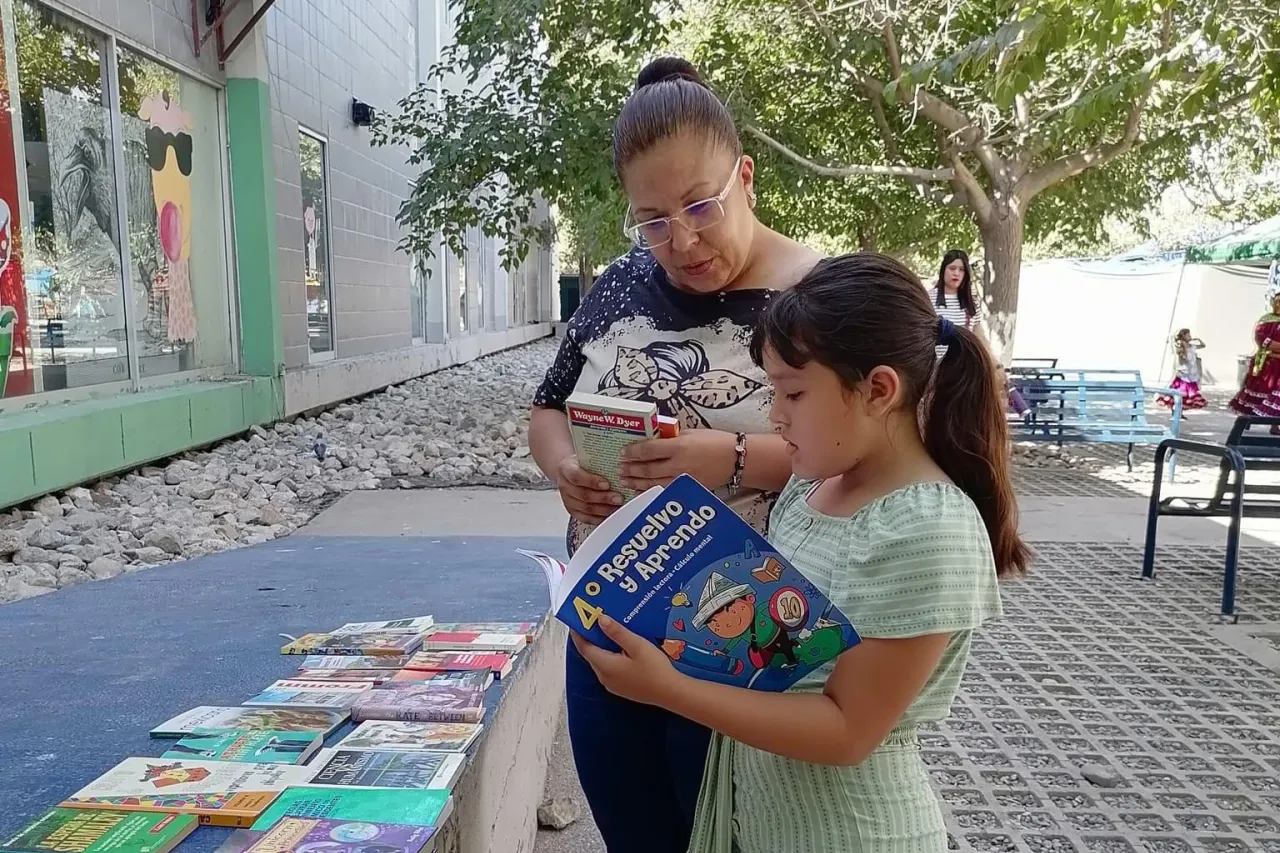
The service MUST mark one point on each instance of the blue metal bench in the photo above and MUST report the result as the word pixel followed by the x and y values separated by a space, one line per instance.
pixel 1105 406
pixel 1244 450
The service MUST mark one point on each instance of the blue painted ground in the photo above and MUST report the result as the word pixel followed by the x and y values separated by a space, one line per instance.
pixel 88 671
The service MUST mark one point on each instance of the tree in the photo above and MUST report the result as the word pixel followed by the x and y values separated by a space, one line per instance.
pixel 902 124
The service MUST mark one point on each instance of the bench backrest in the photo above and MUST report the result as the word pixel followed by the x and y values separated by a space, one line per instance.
pixel 1111 396
pixel 1253 439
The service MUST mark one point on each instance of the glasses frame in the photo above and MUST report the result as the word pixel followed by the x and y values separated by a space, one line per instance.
pixel 632 231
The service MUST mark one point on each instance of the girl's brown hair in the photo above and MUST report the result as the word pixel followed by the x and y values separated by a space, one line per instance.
pixel 670 98
pixel 856 312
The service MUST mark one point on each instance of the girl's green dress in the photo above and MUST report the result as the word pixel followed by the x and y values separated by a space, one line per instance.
pixel 915 562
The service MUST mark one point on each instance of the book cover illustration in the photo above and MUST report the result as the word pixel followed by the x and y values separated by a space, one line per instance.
pixel 601 427
pixel 526 628
pixel 421 704
pixel 499 663
pixel 256 747
pixel 359 768
pixel 473 641
pixel 220 793
pixel 254 719
pixel 323 835
pixel 678 567
pixel 80 831
pixel 369 644
pixel 353 661
pixel 396 735
pixel 376 805
pixel 480 679
pixel 412 625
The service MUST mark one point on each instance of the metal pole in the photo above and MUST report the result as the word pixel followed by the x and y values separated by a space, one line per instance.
pixel 240 36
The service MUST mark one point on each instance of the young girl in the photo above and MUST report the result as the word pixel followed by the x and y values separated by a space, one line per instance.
pixel 1186 377
pixel 901 511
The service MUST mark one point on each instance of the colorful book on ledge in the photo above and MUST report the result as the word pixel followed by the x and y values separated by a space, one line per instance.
pixel 415 703
pixel 431 807
pixel 320 835
pixel 81 831
pixel 678 567
pixel 498 663
pixel 412 625
pixel 526 628
pixel 393 768
pixel 254 747
pixel 370 643
pixel 254 719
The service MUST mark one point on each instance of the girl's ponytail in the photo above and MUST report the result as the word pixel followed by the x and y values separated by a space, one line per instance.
pixel 966 434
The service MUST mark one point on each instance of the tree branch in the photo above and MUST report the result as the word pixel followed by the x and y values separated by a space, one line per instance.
pixel 845 172
pixel 965 182
pixel 1071 165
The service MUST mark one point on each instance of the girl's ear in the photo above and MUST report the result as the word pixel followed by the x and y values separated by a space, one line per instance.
pixel 884 390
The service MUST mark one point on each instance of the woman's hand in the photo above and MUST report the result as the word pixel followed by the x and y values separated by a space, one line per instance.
pixel 641 672
pixel 708 455
pixel 585 495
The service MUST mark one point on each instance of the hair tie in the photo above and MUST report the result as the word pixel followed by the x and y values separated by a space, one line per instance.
pixel 946 332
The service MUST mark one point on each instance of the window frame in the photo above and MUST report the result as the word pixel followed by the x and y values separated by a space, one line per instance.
pixel 332 353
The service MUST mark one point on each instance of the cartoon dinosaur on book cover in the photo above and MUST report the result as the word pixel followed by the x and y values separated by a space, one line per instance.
pixel 771 622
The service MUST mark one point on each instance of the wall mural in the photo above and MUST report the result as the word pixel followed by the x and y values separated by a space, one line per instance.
pixel 169 155
pixel 14 337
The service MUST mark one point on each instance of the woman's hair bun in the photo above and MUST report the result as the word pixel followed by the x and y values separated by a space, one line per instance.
pixel 668 68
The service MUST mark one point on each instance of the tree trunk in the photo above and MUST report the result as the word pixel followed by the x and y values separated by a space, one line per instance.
pixel 866 239
pixel 584 275
pixel 1002 247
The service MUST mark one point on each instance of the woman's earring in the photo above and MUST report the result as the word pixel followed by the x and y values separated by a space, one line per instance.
pixel 751 198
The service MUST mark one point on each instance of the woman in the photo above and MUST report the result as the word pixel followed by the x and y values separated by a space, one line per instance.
pixel 1260 394
pixel 668 322
pixel 953 299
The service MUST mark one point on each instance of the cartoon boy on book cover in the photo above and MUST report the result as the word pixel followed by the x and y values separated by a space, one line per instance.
pixel 731 611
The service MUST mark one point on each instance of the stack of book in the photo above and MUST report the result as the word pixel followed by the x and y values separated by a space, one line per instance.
pixel 416 691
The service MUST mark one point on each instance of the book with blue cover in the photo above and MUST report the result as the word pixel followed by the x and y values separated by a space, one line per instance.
pixel 676 565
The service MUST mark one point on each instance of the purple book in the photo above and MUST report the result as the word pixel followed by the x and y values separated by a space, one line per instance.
pixel 427 703
pixel 320 835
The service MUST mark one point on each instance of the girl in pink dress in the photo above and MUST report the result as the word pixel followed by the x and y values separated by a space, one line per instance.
pixel 1186 378
pixel 1260 394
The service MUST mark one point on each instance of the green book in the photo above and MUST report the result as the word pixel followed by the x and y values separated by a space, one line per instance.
pixel 371 805
pixel 254 747
pixel 81 831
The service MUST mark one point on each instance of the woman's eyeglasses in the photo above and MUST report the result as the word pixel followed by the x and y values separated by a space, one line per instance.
pixel 696 217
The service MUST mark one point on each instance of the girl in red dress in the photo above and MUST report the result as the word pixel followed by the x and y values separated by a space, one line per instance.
pixel 1260 394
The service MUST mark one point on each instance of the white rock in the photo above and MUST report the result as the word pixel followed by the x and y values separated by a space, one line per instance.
pixel 105 567
pixel 11 541
pixel 48 506
pixel 164 539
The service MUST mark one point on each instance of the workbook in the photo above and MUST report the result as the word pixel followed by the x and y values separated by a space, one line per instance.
pixel 255 719
pixel 415 737
pixel 257 747
pixel 363 768
pixel 321 835
pixel 431 807
pixel 82 831
pixel 679 568
pixel 220 793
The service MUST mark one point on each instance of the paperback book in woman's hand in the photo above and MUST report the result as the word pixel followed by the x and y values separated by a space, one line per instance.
pixel 678 567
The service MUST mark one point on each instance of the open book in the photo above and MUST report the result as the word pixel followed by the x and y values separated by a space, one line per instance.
pixel 677 566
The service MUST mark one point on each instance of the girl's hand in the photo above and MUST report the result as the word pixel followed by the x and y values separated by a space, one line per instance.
pixel 707 455
pixel 585 495
pixel 641 672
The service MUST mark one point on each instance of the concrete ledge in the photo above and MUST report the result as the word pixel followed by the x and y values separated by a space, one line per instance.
pixel 57 445
pixel 326 383
pixel 496 799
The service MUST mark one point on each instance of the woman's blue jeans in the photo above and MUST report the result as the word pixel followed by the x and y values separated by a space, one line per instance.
pixel 640 766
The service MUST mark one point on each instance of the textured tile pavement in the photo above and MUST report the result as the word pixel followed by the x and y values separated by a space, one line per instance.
pixel 1105 714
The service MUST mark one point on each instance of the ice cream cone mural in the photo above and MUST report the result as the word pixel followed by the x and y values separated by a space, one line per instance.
pixel 169 154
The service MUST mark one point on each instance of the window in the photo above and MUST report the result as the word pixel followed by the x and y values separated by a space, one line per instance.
pixel 315 242
pixel 173 189
pixel 113 237
pixel 456 270
pixel 71 330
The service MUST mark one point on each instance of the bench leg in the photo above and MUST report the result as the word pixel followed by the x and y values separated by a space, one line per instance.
pixel 1153 517
pixel 1129 458
pixel 1233 551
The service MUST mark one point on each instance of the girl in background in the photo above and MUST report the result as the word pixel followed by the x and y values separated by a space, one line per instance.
pixel 1186 371
pixel 905 522
pixel 1260 394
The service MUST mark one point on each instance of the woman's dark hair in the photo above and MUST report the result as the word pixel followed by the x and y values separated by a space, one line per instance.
pixel 669 98
pixel 965 293
pixel 856 312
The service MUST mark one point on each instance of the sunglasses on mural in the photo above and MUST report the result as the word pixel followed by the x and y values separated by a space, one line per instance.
pixel 158 143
